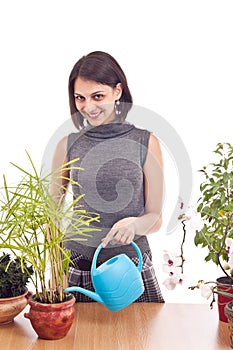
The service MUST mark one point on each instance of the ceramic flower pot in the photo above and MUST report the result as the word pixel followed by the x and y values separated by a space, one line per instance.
pixel 224 284
pixel 51 321
pixel 11 307
pixel 229 314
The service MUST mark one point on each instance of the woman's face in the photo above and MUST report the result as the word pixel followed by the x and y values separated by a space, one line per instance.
pixel 95 101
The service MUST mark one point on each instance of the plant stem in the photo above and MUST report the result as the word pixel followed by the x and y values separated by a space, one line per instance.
pixel 228 227
pixel 182 247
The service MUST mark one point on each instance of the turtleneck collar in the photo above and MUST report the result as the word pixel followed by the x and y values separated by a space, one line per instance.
pixel 108 131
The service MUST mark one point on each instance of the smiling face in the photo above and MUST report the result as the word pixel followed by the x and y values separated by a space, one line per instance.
pixel 95 101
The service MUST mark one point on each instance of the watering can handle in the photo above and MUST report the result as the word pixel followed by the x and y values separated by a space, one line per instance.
pixel 139 267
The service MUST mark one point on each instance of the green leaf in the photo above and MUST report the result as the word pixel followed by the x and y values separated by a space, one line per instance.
pixel 212 256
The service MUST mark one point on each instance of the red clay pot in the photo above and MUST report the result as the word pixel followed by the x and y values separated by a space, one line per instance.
pixel 229 314
pixel 11 307
pixel 225 284
pixel 51 321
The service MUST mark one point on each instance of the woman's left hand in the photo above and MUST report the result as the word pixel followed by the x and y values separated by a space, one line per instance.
pixel 123 231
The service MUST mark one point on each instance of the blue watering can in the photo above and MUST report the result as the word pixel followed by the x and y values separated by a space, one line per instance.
pixel 117 282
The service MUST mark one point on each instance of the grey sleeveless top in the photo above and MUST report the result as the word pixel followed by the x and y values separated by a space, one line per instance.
pixel 111 157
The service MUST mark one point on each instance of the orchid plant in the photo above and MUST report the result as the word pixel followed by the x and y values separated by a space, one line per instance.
pixel 174 263
pixel 212 221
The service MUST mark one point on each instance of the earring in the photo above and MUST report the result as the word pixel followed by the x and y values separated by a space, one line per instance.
pixel 85 122
pixel 117 107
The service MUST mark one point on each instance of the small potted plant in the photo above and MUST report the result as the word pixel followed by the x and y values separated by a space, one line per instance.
pixel 34 227
pixel 13 288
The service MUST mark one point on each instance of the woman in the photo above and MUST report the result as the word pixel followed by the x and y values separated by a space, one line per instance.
pixel 122 176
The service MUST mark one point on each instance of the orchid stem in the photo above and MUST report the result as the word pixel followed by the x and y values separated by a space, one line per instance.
pixel 182 247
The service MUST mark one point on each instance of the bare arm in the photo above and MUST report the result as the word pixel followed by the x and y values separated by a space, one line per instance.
pixel 125 230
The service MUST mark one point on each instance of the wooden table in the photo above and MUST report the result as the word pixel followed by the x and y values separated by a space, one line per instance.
pixel 141 326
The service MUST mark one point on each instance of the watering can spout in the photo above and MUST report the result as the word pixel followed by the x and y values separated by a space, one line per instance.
pixel 86 292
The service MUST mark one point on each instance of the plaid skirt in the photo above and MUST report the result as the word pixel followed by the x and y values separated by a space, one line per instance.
pixel 80 275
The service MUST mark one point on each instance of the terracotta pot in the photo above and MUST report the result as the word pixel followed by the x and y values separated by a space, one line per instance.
pixel 225 284
pixel 11 307
pixel 229 314
pixel 51 321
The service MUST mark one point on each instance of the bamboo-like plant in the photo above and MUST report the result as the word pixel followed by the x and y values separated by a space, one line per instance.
pixel 34 227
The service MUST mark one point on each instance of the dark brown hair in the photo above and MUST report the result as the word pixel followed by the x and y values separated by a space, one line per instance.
pixel 102 68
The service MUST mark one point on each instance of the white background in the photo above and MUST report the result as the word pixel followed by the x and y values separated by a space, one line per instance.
pixel 177 56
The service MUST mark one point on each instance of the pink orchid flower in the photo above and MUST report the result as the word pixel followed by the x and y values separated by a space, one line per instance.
pixel 171 282
pixel 172 267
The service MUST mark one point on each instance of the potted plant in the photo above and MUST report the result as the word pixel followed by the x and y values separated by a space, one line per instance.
pixel 13 290
pixel 216 208
pixel 213 224
pixel 212 221
pixel 34 227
